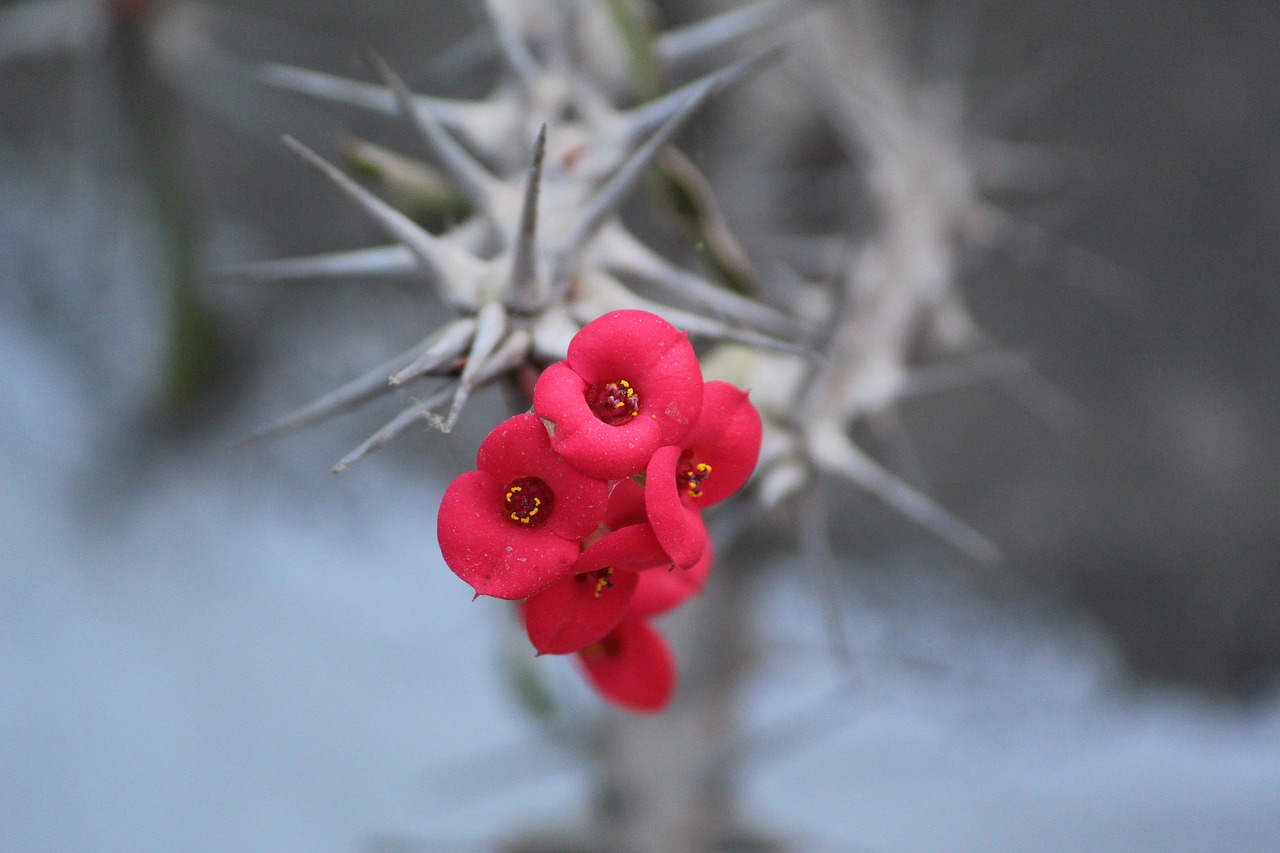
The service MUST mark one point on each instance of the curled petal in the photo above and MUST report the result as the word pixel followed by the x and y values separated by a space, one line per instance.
pixel 596 448
pixel 488 550
pixel 630 384
pixel 632 667
pixel 634 548
pixel 726 438
pixel 676 520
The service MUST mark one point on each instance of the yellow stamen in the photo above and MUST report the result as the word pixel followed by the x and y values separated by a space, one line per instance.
pixel 603 582
pixel 694 478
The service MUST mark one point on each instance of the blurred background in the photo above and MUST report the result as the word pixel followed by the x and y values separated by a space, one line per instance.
pixel 209 646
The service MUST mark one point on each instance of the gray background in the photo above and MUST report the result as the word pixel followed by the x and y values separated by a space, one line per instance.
pixel 204 647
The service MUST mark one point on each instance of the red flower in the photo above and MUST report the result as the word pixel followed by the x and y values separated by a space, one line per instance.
pixel 712 462
pixel 631 383
pixel 583 608
pixel 632 667
pixel 512 527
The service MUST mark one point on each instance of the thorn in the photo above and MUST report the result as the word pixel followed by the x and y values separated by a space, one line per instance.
pixel 392 429
pixel 468 118
pixel 491 326
pixel 472 178
pixel 377 261
pixel 688 43
pixel 615 190
pixel 448 267
pixel 449 342
pixel 832 451
pixel 526 293
pixel 642 119
pixel 368 386
pixel 512 48
pixel 627 254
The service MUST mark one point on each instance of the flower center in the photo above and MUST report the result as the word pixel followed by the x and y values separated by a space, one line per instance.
pixel 690 475
pixel 601 579
pixel 527 501
pixel 615 403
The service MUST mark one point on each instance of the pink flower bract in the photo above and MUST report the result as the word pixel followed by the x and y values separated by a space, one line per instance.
pixel 709 464
pixel 579 610
pixel 632 667
pixel 631 383
pixel 511 528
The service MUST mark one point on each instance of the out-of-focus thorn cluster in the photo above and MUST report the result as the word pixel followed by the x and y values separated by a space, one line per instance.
pixel 533 177
pixel 39 29
pixel 896 324
pixel 544 162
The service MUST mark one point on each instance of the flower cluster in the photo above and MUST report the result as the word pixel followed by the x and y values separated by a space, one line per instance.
pixel 589 509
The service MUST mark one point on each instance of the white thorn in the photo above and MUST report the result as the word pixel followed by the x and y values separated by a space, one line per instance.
pixel 526 290
pixel 472 178
pixel 832 451
pixel 450 268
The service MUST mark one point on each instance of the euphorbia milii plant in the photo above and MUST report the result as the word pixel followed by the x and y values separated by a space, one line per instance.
pixel 555 513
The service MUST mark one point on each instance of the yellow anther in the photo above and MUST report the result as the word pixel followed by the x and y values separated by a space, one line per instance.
pixel 603 582
pixel 614 402
pixel 694 477
pixel 528 501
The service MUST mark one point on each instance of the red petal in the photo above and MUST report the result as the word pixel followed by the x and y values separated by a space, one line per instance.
pixel 634 547
pixel 660 592
pixel 727 437
pixel 578 611
pixel 626 505
pixel 651 354
pixel 594 447
pixel 654 359
pixel 495 556
pixel 676 521
pixel 520 447
pixel 632 667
